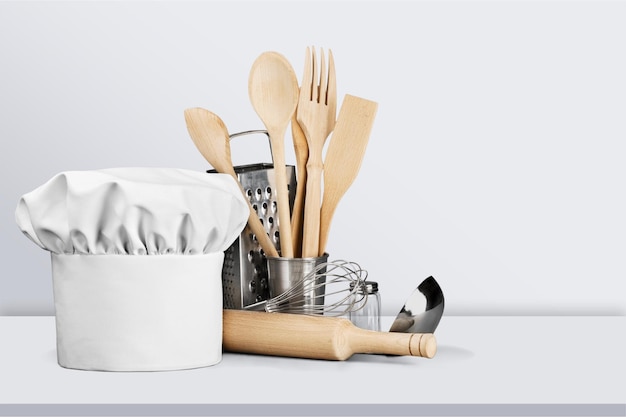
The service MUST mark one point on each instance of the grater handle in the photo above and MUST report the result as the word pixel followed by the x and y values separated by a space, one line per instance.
pixel 253 132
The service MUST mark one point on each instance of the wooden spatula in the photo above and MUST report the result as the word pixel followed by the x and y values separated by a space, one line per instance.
pixel 344 156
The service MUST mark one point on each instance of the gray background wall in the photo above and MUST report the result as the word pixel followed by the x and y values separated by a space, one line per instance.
pixel 496 163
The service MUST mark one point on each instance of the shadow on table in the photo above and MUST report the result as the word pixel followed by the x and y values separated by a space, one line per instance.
pixel 444 353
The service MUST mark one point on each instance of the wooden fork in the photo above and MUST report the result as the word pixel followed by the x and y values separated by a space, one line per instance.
pixel 316 114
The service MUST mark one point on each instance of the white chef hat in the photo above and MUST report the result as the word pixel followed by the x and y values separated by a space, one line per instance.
pixel 137 256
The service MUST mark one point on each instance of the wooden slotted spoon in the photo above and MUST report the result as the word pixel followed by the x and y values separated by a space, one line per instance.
pixel 210 136
pixel 344 156
pixel 273 90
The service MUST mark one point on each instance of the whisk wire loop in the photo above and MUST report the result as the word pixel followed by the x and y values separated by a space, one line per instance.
pixel 333 288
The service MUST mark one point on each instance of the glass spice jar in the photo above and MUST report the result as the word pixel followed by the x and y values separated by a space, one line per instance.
pixel 367 317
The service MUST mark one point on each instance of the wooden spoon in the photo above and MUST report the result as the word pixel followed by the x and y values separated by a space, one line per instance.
pixel 301 149
pixel 210 136
pixel 344 156
pixel 273 90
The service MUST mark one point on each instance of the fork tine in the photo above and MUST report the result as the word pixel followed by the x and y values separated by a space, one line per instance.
pixel 315 96
pixel 331 92
pixel 323 78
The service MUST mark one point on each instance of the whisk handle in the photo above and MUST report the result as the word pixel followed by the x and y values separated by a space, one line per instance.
pixel 301 336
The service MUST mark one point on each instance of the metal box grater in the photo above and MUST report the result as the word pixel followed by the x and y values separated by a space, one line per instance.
pixel 244 274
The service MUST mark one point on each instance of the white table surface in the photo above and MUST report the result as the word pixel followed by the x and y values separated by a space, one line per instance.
pixel 484 366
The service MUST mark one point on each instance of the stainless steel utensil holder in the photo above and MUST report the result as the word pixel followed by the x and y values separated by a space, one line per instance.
pixel 244 274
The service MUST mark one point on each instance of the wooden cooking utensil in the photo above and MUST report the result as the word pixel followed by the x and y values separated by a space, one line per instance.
pixel 210 136
pixel 315 337
pixel 344 156
pixel 316 114
pixel 297 214
pixel 273 91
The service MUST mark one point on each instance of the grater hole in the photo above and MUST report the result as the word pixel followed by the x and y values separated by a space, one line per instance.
pixel 249 192
pixel 251 255
pixel 270 220
pixel 274 206
pixel 268 191
pixel 255 207
pixel 258 193
pixel 264 207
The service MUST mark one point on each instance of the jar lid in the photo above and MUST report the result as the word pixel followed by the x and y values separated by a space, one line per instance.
pixel 370 287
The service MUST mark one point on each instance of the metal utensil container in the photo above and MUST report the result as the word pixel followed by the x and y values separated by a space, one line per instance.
pixel 284 273
pixel 245 271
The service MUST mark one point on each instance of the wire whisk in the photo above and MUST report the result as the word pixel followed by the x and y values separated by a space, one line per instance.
pixel 330 289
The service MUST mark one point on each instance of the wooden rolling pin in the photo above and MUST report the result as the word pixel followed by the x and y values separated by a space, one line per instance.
pixel 302 336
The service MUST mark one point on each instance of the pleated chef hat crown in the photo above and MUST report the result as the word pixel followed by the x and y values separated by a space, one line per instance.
pixel 134 211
